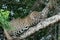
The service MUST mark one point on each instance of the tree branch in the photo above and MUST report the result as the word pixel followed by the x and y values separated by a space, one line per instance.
pixel 46 9
pixel 41 25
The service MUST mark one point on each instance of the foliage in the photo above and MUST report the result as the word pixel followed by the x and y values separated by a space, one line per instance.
pixel 24 8
pixel 3 19
pixel 21 8
pixel 4 14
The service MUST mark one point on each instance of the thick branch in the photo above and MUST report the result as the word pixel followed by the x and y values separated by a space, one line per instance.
pixel 49 6
pixel 41 25
pixel 46 9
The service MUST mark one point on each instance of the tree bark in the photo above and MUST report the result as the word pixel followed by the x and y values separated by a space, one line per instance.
pixel 41 25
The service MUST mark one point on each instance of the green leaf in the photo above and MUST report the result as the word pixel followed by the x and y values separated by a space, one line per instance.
pixel 3 19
